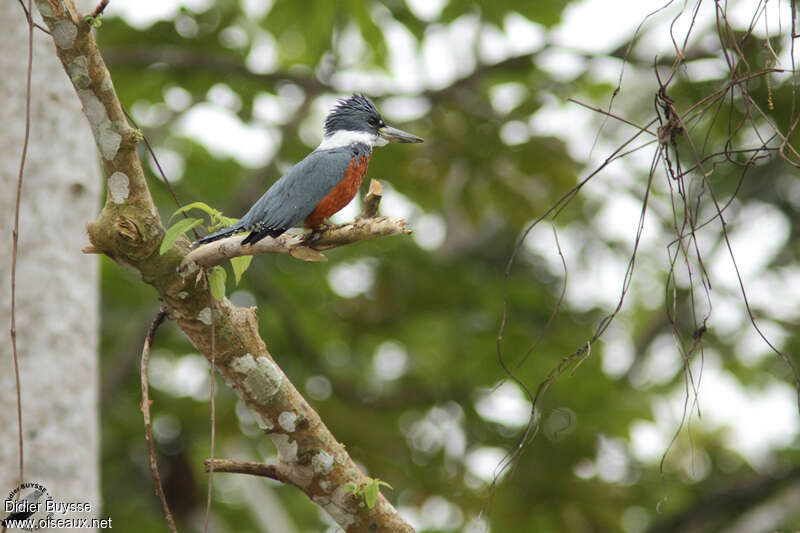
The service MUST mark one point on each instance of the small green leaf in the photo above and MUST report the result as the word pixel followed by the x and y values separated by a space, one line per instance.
pixel 216 280
pixel 194 205
pixel 353 488
pixel 240 265
pixel 371 494
pixel 178 229
pixel 382 483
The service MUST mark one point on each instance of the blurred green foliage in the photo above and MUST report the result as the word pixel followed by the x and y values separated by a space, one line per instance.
pixel 440 306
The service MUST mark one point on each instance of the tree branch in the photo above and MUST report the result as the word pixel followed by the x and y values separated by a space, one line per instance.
pixel 129 230
pixel 251 468
pixel 148 428
pixel 301 246
pixel 305 247
pixel 728 502
pixel 180 59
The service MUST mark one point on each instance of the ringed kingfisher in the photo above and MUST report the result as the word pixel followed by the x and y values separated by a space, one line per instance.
pixel 326 180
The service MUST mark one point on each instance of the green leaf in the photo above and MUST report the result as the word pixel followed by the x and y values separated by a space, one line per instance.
pixel 178 229
pixel 240 265
pixel 353 488
pixel 371 491
pixel 371 494
pixel 382 483
pixel 194 205
pixel 216 280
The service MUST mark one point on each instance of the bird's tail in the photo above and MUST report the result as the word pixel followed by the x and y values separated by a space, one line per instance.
pixel 221 234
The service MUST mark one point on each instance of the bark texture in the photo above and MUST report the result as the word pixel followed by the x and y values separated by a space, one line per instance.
pixel 129 230
pixel 57 286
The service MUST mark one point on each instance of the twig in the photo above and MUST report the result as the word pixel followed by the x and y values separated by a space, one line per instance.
pixel 213 413
pixel 611 115
pixel 148 430
pixel 100 8
pixel 15 240
pixel 30 19
pixel 532 429
pixel 155 159
pixel 158 166
pixel 252 468
pixel 372 200
pixel 557 307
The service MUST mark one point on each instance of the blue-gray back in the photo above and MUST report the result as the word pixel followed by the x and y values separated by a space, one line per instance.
pixel 296 194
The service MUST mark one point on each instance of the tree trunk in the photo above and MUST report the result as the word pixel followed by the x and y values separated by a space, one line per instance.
pixel 57 285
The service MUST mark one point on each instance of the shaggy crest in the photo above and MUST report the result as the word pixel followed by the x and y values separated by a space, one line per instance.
pixel 353 114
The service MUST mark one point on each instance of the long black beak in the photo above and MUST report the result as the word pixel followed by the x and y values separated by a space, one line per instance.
pixel 398 136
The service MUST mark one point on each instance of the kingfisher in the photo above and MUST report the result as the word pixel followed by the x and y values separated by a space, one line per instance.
pixel 326 180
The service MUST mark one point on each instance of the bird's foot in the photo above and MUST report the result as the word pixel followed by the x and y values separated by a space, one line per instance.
pixel 320 228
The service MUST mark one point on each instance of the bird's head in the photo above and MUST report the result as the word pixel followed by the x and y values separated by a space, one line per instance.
pixel 355 119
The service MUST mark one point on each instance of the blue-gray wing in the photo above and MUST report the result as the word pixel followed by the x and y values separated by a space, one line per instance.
pixel 296 194
pixel 291 199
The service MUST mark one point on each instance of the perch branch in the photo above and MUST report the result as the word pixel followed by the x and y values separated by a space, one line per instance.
pixel 129 231
pixel 251 468
pixel 302 246
pixel 148 429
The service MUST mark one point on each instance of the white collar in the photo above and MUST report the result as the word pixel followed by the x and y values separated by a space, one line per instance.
pixel 347 138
